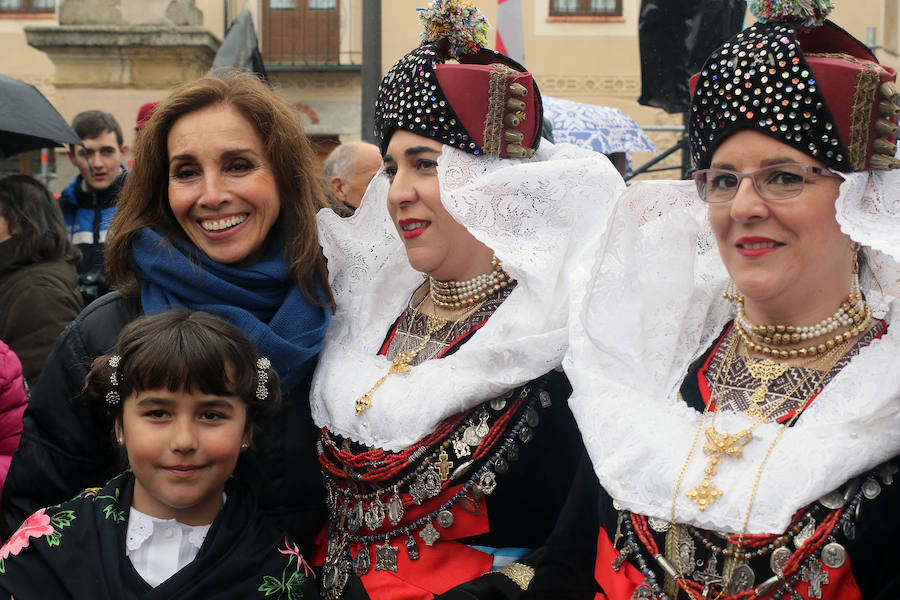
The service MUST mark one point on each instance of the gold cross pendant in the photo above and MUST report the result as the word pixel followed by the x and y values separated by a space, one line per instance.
pixel 717 445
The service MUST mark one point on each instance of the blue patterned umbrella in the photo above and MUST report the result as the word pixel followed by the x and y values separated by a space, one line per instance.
pixel 601 128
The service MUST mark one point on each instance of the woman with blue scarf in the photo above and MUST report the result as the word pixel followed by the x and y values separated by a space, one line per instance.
pixel 218 215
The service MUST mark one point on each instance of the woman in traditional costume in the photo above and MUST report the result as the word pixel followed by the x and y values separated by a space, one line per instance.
pixel 748 449
pixel 447 445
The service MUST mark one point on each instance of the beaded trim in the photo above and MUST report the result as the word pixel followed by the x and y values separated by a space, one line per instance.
pixel 867 81
pixel 493 119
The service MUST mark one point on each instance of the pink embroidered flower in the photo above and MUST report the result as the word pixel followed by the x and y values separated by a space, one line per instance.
pixel 36 525
pixel 293 549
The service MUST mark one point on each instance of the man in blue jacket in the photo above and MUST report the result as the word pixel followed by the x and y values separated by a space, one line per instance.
pixel 89 202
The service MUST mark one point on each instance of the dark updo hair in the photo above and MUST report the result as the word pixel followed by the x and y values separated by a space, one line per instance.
pixel 180 349
pixel 35 219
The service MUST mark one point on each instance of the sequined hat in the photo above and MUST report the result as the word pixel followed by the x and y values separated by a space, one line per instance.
pixel 485 103
pixel 815 88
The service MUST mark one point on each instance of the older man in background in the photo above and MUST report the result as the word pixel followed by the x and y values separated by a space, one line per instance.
pixel 348 170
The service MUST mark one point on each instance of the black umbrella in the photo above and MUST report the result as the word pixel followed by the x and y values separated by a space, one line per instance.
pixel 28 121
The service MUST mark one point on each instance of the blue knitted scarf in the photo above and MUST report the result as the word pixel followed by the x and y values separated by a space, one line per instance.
pixel 263 300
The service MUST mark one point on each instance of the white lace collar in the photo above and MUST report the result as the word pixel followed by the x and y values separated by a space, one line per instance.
pixel 141 527
pixel 653 305
pixel 537 215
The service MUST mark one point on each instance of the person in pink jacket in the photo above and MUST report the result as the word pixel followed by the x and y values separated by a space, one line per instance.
pixel 12 404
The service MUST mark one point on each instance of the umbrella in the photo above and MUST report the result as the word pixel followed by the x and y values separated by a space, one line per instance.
pixel 601 128
pixel 28 121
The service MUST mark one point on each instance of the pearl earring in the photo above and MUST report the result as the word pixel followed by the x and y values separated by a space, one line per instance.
pixel 244 446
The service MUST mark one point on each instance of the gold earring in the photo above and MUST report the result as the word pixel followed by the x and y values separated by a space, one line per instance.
pixel 854 247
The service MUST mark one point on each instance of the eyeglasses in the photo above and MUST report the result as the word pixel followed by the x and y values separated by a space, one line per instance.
pixel 775 182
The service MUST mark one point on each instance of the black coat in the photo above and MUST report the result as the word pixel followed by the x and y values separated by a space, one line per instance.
pixel 67 443
pixel 77 550
pixel 37 300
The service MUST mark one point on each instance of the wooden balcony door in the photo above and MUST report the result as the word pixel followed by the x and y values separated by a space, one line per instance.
pixel 301 31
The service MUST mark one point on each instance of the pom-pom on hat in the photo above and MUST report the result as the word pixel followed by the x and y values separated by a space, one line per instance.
pixel 486 103
pixel 803 81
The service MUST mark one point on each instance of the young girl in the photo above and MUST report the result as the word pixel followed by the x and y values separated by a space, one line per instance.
pixel 184 390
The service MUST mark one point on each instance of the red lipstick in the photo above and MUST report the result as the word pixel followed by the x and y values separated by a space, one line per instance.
pixel 754 246
pixel 413 228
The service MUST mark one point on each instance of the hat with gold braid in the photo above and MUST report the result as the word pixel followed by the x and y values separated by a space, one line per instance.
pixel 802 80
pixel 484 103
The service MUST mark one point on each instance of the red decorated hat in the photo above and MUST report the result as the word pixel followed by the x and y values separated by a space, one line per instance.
pixel 484 103
pixel 813 87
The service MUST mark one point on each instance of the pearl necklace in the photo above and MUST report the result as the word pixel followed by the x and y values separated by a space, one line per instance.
pixel 460 294
pixel 849 313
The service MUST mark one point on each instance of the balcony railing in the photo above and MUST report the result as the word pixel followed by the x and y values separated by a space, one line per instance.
pixel 307 34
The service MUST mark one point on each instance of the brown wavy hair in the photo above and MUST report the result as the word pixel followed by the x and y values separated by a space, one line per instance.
pixel 145 199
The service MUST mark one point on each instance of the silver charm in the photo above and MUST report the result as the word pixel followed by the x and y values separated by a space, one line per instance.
pixel 461 470
pixel 500 465
pixel 412 548
pixel 887 472
pixel 385 557
pixel 470 436
pixel 627 550
pixel 468 505
pixel 362 562
pixel 375 514
pixel 512 451
pixel 431 483
pixel 618 536
pixel 643 592
pixel 498 404
pixel 812 573
pixel 429 534
pixel 417 490
pixel 849 530
pixel 531 417
pixel 832 500
pixel 544 397
pixel 477 492
pixel 686 553
pixel 871 488
pixel 526 434
pixel 355 517
pixel 336 571
pixel 742 579
pixel 658 525
pixel 395 509
pixel 482 429
pixel 807 532
pixel 461 448
pixel 487 482
pixel 709 576
pixel 778 559
pixel 445 518
pixel 834 555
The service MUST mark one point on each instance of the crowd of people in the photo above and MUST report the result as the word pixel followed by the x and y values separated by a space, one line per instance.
pixel 463 362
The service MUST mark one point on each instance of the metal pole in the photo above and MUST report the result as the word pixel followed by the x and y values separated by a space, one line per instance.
pixel 371 67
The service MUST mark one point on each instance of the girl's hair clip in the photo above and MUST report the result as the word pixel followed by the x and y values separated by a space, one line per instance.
pixel 262 378
pixel 112 396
